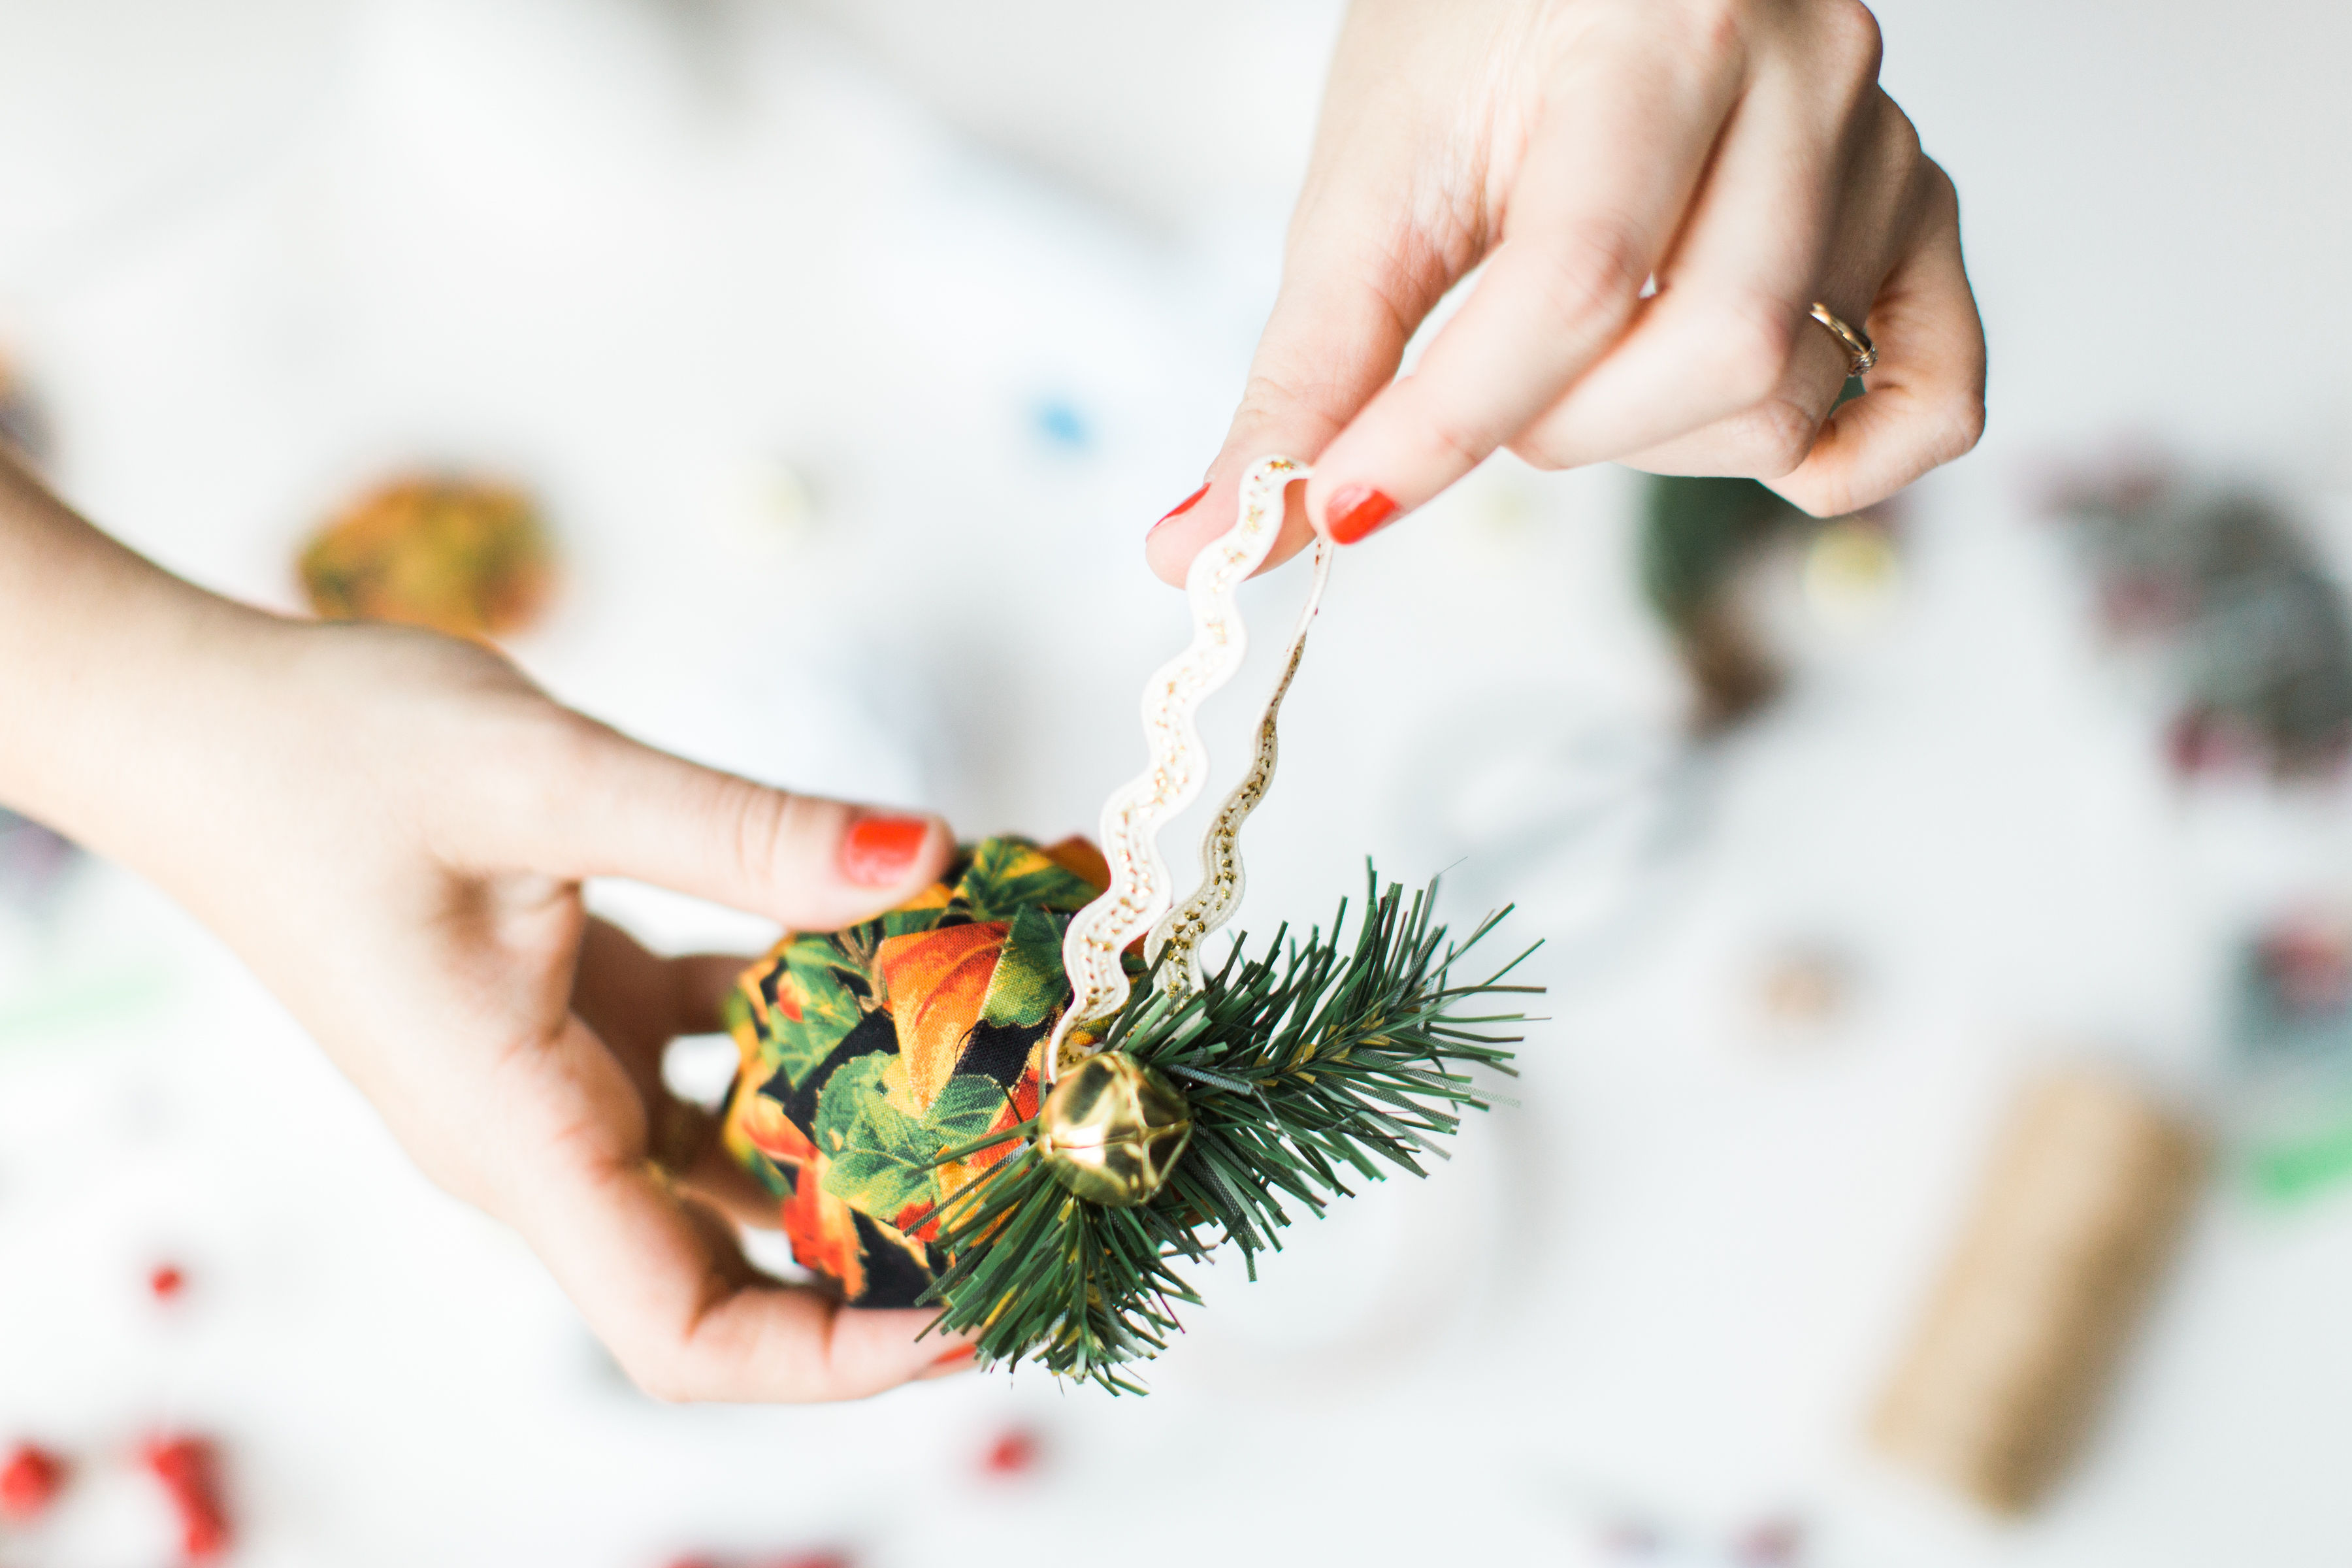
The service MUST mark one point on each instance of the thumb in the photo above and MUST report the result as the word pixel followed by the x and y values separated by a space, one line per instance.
pixel 627 810
pixel 1336 335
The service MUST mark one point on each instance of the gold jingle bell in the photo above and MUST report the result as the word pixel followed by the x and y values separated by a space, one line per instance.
pixel 1112 1129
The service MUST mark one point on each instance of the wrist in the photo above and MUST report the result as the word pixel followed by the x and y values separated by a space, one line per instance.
pixel 104 657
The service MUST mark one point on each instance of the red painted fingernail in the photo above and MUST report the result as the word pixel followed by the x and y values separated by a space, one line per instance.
pixel 1355 512
pixel 1181 507
pixel 877 850
pixel 948 1363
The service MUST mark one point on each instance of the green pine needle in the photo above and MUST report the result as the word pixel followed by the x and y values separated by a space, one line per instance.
pixel 1305 1069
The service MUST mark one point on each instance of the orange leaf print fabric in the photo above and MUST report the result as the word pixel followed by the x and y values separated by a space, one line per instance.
pixel 821 1229
pixel 870 1054
pixel 935 983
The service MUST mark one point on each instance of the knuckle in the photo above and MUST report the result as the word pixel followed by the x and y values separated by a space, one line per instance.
pixel 1264 396
pixel 1963 423
pixel 1942 199
pixel 1715 29
pixel 1539 449
pixel 1278 398
pixel 1754 341
pixel 1267 395
pixel 1457 442
pixel 760 823
pixel 1780 437
pixel 1903 135
pixel 542 752
pixel 1853 37
pixel 1595 271
pixel 563 744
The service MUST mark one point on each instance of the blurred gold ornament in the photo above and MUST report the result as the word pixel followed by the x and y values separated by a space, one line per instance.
pixel 460 556
pixel 1113 1129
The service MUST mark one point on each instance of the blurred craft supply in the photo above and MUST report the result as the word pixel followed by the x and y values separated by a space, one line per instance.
pixel 189 1469
pixel 2084 1201
pixel 30 1480
pixel 2295 989
pixel 2291 1055
pixel 1014 1452
pixel 771 507
pixel 1852 570
pixel 1805 988
pixel 468 557
pixel 2252 627
pixel 1697 533
pixel 23 430
pixel 1778 1541
pixel 1702 541
pixel 1775 1543
pixel 1061 425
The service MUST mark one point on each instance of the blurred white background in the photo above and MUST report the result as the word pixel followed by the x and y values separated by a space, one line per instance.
pixel 853 346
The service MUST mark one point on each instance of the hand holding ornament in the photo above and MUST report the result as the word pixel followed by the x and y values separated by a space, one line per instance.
pixel 392 828
pixel 1740 153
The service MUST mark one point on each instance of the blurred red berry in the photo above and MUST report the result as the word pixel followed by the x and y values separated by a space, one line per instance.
pixel 29 1481
pixel 1014 1453
pixel 190 1472
pixel 2308 962
pixel 1772 1543
pixel 166 1282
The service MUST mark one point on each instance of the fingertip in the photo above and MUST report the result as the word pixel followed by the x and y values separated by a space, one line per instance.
pixel 1171 545
pixel 833 863
pixel 1178 537
pixel 874 1349
pixel 951 1363
pixel 1354 512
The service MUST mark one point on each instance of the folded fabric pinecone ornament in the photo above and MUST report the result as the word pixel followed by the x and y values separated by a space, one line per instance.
pixel 871 1054
pixel 1019 1099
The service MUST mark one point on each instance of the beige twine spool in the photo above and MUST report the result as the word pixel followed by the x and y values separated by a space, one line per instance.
pixel 2082 1202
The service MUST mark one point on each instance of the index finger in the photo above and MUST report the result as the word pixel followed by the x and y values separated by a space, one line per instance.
pixel 1611 165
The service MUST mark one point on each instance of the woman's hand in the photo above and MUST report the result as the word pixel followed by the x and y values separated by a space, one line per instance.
pixel 1738 152
pixel 392 828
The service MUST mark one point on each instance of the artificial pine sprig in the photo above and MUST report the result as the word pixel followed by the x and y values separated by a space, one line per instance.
pixel 1303 1067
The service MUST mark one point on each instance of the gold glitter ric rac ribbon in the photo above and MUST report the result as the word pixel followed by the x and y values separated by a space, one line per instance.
pixel 1140 892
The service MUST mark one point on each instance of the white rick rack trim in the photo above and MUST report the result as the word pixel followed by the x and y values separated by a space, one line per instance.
pixel 1213 903
pixel 1140 892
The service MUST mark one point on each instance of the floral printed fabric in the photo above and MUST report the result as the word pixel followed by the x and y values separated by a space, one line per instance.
pixel 871 1052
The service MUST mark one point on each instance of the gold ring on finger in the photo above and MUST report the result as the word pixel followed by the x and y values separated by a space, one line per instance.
pixel 1860 353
